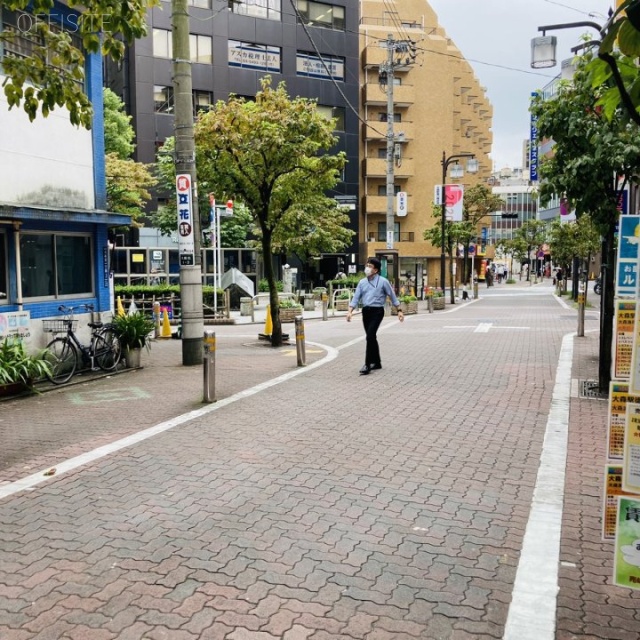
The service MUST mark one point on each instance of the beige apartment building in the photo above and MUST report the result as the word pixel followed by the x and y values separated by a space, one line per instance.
pixel 438 107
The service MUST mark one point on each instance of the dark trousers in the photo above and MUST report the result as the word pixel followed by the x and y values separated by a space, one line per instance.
pixel 371 319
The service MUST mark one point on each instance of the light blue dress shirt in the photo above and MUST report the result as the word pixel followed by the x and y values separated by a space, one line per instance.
pixel 373 292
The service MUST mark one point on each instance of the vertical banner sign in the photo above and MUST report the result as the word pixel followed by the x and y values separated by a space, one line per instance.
pixel 625 311
pixel 186 245
pixel 453 195
pixel 533 146
pixel 627 545
pixel 618 398
pixel 631 456
pixel 612 489
pixel 401 204
pixel 627 267
pixel 634 375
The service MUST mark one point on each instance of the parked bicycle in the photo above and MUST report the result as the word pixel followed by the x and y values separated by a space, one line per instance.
pixel 103 352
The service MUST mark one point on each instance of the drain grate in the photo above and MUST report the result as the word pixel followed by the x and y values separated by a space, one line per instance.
pixel 589 389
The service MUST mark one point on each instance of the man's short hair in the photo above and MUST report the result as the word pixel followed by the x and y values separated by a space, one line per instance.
pixel 375 263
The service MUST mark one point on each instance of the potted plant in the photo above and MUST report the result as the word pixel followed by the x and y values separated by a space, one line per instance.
pixel 342 300
pixel 408 304
pixel 18 369
pixel 436 296
pixel 288 310
pixel 134 331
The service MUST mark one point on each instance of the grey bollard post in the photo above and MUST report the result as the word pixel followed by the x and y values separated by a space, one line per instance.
pixel 582 290
pixel 156 318
pixel 209 366
pixel 300 345
pixel 430 304
pixel 325 306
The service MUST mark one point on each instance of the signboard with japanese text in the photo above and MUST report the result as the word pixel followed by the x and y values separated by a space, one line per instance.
pixel 612 489
pixel 15 323
pixel 627 545
pixel 625 311
pixel 453 196
pixel 631 455
pixel 313 66
pixel 533 146
pixel 634 374
pixel 627 267
pixel 186 242
pixel 618 398
pixel 401 204
pixel 249 55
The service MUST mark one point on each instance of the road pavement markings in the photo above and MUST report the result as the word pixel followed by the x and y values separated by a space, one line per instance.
pixel 27 483
pixel 483 327
pixel 532 612
pixel 112 395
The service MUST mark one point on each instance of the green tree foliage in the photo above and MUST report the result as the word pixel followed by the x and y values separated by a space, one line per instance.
pixel 234 230
pixel 571 240
pixel 128 182
pixel 272 154
pixel 532 234
pixel 593 159
pixel 118 132
pixel 515 249
pixel 52 75
pixel 478 203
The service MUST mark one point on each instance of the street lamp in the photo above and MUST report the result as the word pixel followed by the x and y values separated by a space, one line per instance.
pixel 472 167
pixel 543 55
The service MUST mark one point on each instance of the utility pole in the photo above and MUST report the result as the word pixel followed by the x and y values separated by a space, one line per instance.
pixel 189 239
pixel 386 77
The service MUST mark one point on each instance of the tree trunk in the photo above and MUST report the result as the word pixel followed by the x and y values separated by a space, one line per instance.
pixel 607 309
pixel 276 334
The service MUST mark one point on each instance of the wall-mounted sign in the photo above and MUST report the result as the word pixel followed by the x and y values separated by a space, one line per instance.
pixel 186 246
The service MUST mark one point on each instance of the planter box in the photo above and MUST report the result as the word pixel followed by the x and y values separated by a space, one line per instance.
pixel 438 303
pixel 289 314
pixel 342 305
pixel 408 308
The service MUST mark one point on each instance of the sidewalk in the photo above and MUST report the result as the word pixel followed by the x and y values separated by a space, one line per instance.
pixel 328 506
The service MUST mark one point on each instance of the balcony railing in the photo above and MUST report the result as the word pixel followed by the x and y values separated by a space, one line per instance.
pixel 403 236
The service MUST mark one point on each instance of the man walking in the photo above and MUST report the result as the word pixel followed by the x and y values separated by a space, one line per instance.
pixel 372 291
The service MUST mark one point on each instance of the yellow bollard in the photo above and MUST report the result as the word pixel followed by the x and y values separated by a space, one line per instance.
pixel 120 307
pixel 268 325
pixel 166 326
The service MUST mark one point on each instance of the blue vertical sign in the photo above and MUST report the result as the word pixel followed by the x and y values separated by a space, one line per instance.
pixel 627 268
pixel 533 145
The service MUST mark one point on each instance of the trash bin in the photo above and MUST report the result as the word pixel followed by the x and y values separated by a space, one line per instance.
pixel 309 302
pixel 245 306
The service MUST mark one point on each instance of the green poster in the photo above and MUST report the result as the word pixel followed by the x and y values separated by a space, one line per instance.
pixel 627 560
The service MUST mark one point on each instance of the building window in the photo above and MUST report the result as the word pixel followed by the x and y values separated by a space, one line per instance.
pixel 20 37
pixel 162 99
pixel 382 230
pixel 397 117
pixel 338 113
pixel 382 152
pixel 202 101
pixel 200 48
pixel 268 9
pixel 201 4
pixel 312 66
pixel 4 282
pixel 318 14
pixel 55 265
pixel 248 55
pixel 162 43
pixel 382 189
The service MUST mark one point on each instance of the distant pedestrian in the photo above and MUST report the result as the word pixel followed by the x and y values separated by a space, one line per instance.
pixel 372 291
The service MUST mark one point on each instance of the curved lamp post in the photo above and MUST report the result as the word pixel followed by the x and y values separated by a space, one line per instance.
pixel 472 167
pixel 543 55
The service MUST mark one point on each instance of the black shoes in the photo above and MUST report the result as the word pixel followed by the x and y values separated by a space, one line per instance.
pixel 366 368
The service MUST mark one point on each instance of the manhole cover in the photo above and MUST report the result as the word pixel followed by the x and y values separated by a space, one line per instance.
pixel 589 389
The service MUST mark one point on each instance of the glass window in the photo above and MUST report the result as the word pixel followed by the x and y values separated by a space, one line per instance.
pixel 162 99
pixel 382 189
pixel 333 112
pixel 268 9
pixel 382 231
pixel 202 101
pixel 312 66
pixel 319 14
pixel 55 265
pixel 162 43
pixel 4 282
pixel 200 48
pixel 397 117
pixel 202 4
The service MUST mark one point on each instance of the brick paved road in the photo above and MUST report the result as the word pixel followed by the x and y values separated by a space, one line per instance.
pixel 328 506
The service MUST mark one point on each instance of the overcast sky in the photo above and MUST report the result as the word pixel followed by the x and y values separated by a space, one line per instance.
pixel 495 37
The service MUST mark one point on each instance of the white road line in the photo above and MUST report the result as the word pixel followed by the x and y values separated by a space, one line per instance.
pixel 532 612
pixel 483 327
pixel 73 463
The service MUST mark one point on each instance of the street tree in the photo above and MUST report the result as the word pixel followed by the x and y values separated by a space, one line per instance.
pixel 514 248
pixel 532 234
pixel 594 158
pixel 128 182
pixel 478 203
pixel 51 73
pixel 273 154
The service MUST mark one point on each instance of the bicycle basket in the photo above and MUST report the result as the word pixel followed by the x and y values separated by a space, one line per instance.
pixel 58 325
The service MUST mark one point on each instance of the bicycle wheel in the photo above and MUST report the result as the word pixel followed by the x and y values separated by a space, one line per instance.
pixel 106 349
pixel 62 357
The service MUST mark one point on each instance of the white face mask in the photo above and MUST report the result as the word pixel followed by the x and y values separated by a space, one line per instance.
pixel 368 271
